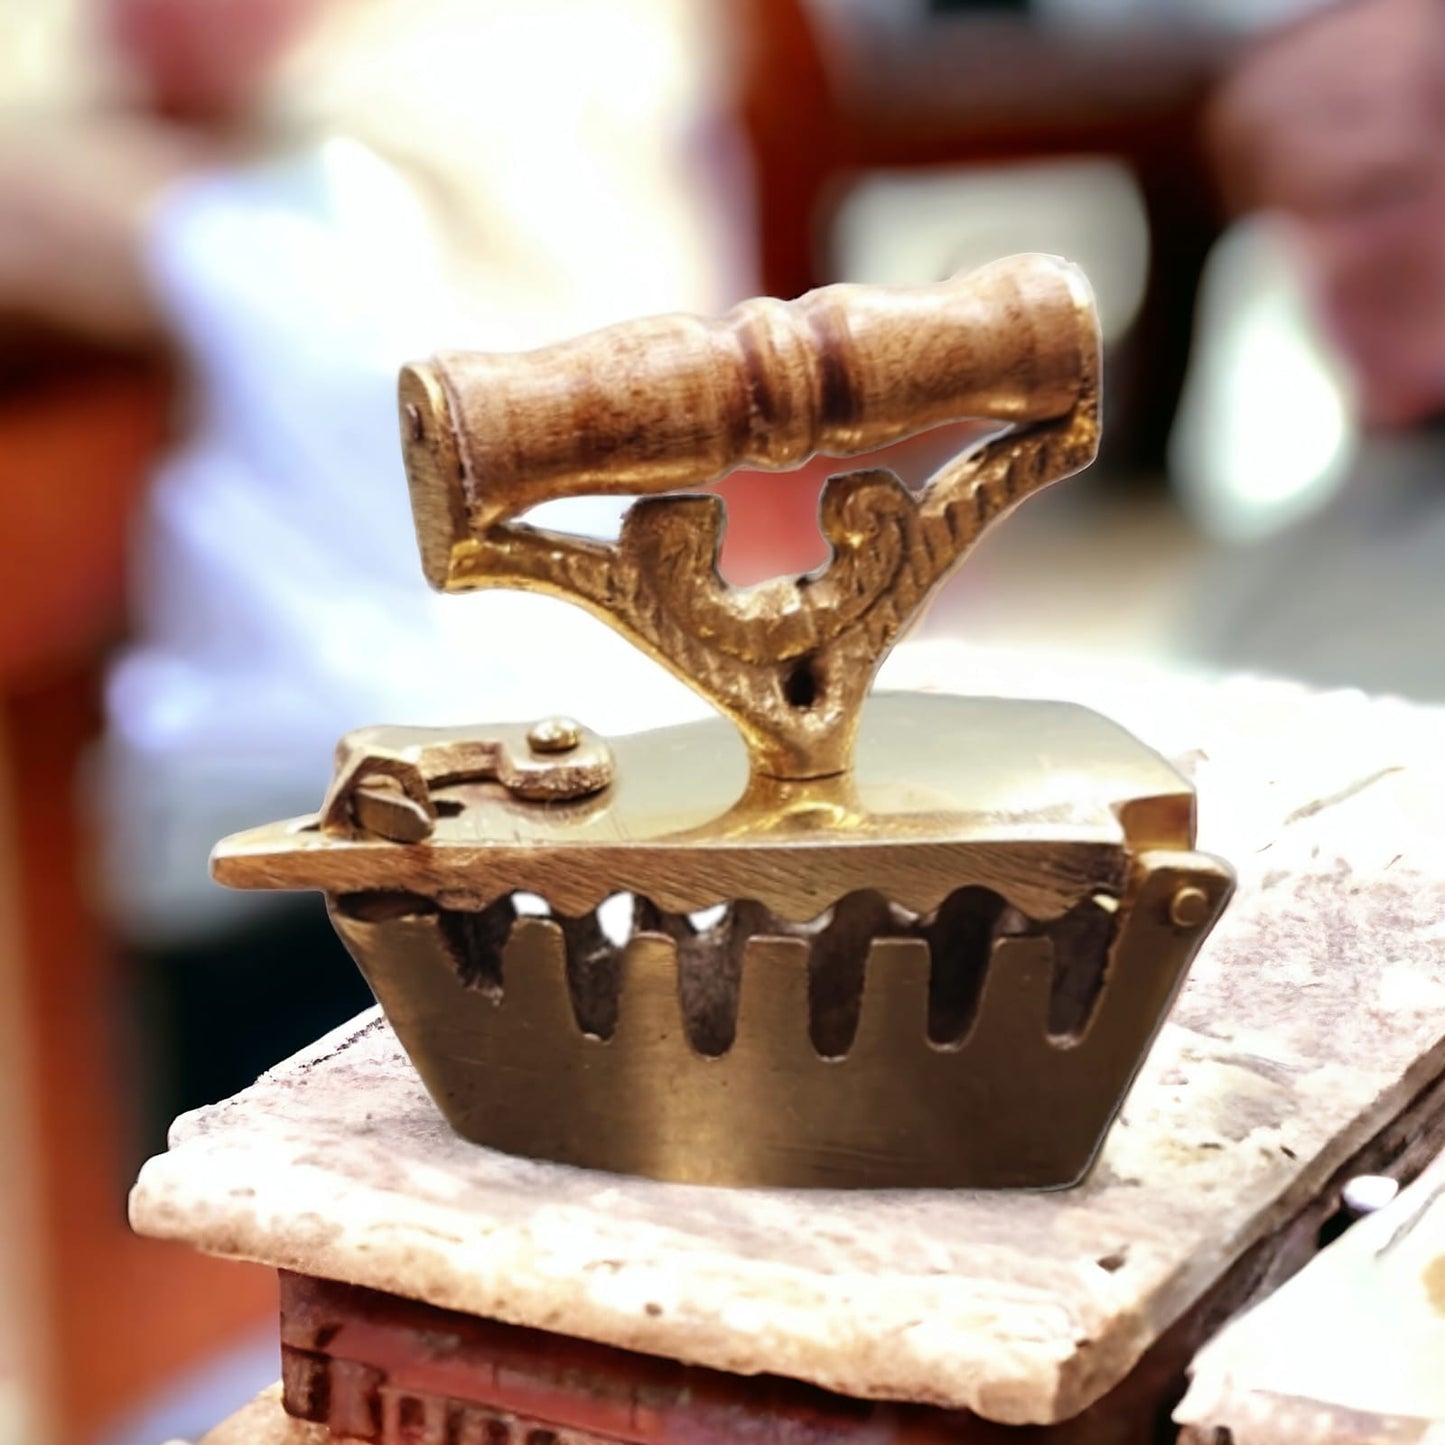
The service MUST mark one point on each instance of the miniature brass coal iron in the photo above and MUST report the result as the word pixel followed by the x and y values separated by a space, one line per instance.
pixel 867 941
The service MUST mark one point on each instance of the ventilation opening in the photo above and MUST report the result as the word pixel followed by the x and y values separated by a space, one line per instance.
pixel 801 685
pixel 710 943
pixel 960 934
pixel 1082 940
pixel 475 942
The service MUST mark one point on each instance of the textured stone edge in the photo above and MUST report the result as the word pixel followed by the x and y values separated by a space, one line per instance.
pixel 1043 1380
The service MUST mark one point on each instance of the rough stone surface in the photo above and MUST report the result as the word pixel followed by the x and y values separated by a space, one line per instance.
pixel 1351 1349
pixel 1314 1014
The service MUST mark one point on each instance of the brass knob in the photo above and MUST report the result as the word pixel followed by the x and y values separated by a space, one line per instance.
pixel 554 735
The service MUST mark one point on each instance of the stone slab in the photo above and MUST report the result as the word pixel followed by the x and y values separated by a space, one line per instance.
pixel 1314 1016
pixel 1351 1350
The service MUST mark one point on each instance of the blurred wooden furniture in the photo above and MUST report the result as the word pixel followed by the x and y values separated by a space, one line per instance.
pixel 109 1317
pixel 831 90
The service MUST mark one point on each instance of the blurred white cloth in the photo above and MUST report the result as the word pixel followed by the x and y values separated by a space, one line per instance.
pixel 278 598
pixel 1266 432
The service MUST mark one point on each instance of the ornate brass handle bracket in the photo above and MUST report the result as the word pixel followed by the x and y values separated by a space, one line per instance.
pixel 675 402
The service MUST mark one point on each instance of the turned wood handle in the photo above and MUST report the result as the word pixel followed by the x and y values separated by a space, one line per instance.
pixel 676 401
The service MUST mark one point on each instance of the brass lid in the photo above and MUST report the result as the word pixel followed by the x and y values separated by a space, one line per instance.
pixel 1040 800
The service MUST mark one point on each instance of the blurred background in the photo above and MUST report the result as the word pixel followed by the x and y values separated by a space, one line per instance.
pixel 224 223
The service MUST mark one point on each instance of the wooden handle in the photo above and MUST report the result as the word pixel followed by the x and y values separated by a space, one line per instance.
pixel 675 401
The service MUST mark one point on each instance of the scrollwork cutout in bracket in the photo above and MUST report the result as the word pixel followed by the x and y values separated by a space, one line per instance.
pixel 674 402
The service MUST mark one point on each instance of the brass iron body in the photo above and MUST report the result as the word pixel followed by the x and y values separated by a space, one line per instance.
pixel 857 941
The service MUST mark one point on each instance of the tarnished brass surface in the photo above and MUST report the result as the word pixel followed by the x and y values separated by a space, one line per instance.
pixel 1007 1104
pixel 674 402
pixel 1043 802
